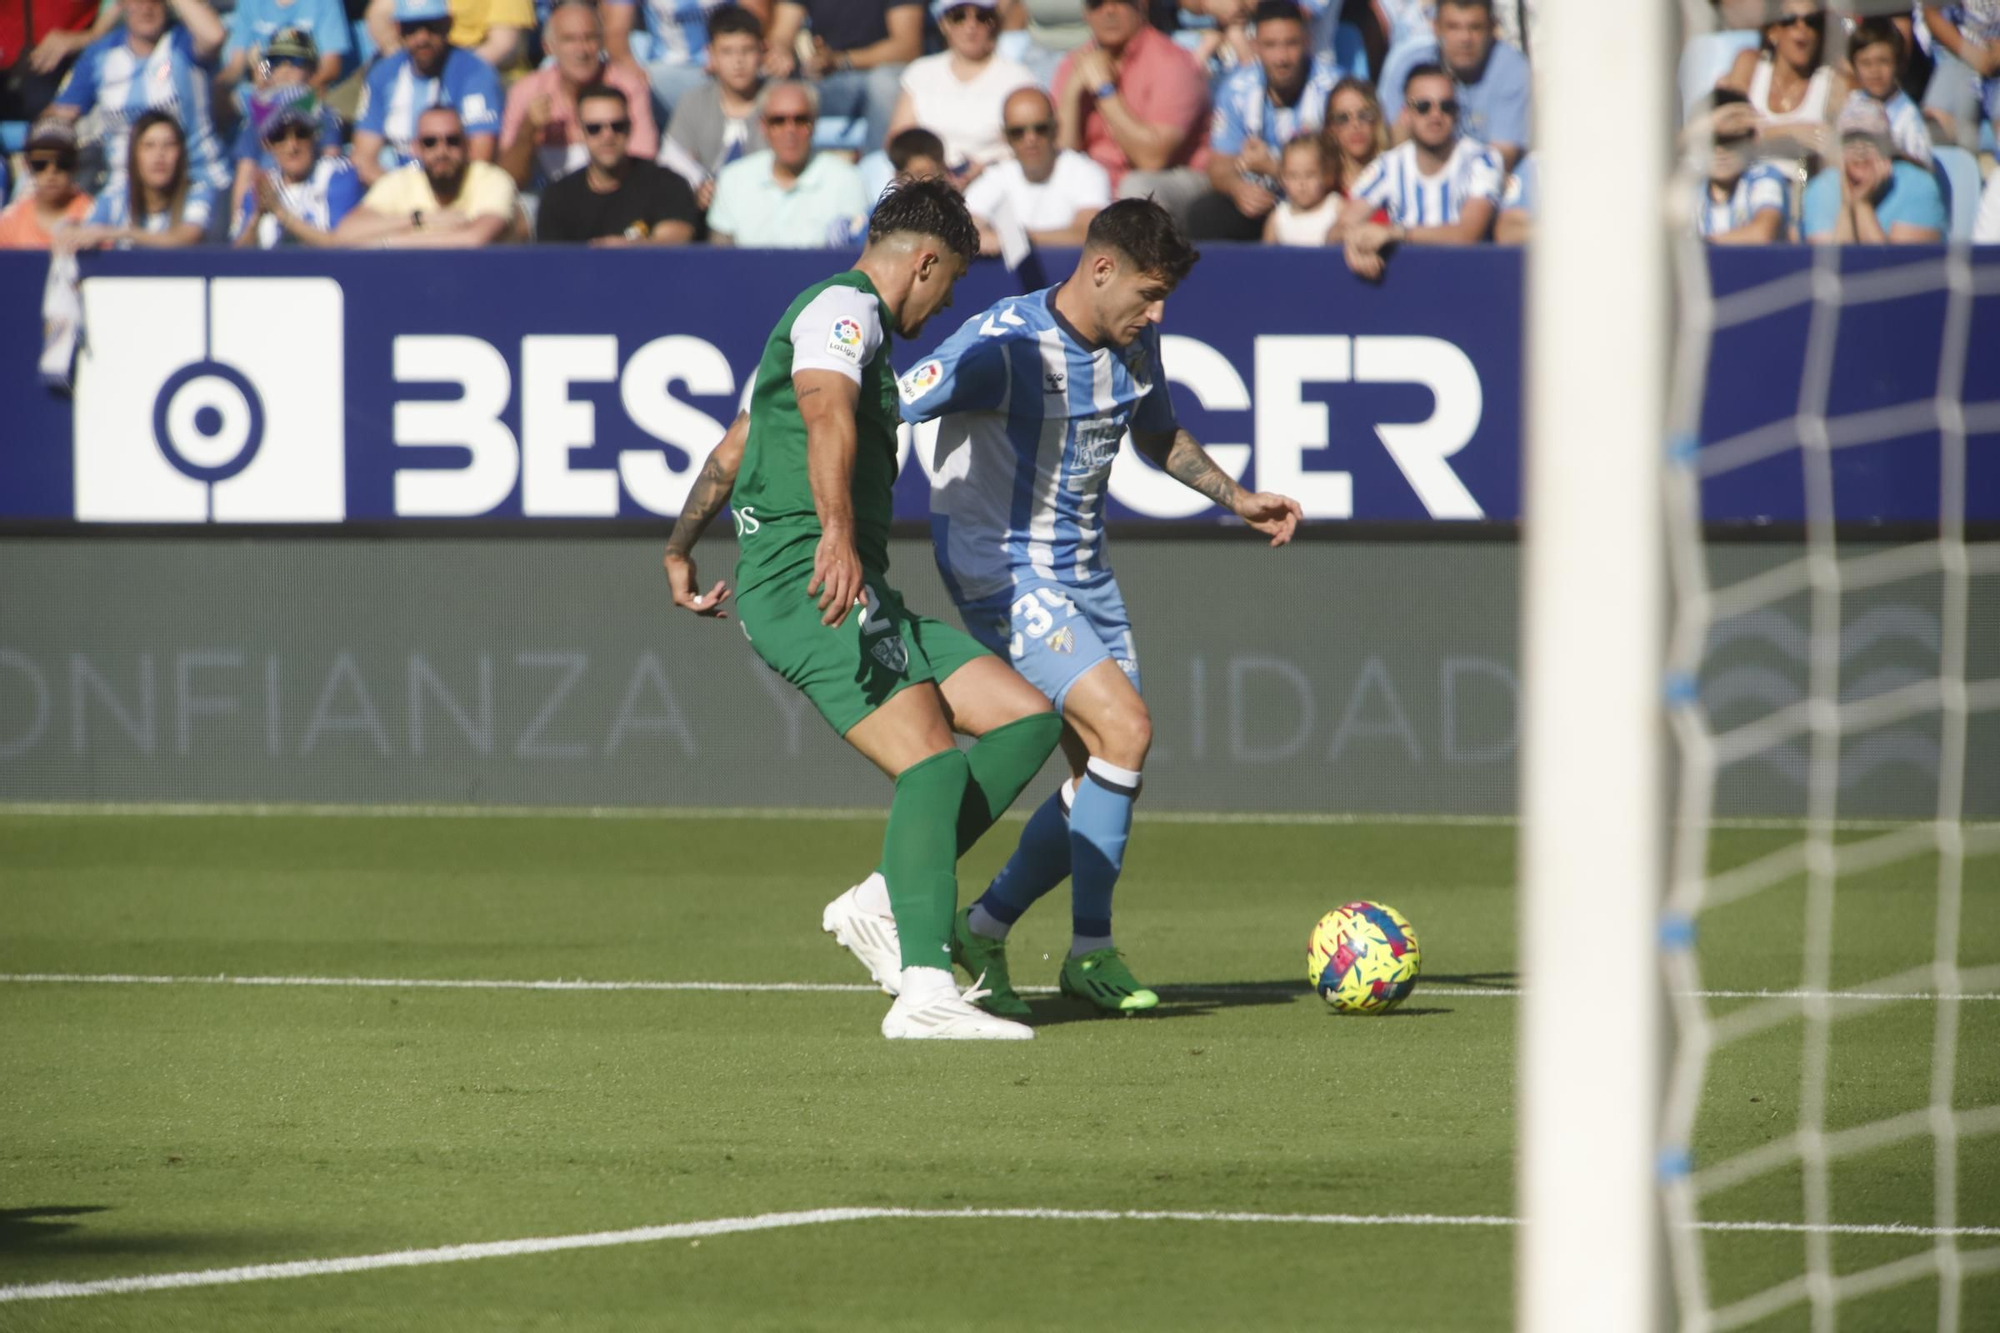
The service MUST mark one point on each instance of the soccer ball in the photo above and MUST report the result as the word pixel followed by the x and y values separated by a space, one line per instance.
pixel 1363 958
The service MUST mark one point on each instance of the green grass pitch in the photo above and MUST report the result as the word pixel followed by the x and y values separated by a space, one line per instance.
pixel 163 1129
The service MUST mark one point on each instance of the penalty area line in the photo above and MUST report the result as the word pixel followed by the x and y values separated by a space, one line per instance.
pixel 854 988
pixel 724 1226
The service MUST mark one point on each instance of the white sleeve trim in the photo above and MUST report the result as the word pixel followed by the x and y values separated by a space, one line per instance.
pixel 839 330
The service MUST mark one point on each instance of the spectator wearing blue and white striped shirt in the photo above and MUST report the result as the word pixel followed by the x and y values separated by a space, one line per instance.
pixel 1492 77
pixel 156 204
pixel 1438 186
pixel 1741 202
pixel 671 46
pixel 151 66
pixel 429 71
pixel 305 194
pixel 1259 108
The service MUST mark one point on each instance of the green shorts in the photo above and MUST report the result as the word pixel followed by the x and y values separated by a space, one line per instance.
pixel 850 670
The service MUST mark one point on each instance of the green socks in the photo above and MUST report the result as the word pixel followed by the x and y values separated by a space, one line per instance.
pixel 1003 761
pixel 919 858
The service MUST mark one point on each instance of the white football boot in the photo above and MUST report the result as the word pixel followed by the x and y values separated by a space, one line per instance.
pixel 930 1008
pixel 869 936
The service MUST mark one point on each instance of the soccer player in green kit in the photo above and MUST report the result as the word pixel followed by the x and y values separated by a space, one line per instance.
pixel 813 507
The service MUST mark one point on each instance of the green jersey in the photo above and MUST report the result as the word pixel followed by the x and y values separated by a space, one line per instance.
pixel 839 325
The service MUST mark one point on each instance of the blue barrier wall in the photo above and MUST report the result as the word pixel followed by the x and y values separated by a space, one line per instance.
pixel 580 384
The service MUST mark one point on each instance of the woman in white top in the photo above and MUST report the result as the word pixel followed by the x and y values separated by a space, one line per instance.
pixel 1791 87
pixel 958 94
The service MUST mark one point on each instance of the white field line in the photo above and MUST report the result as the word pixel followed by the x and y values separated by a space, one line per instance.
pixel 723 1226
pixel 834 987
pixel 838 813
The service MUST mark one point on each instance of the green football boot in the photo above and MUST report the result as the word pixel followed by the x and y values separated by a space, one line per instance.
pixel 980 956
pixel 1102 978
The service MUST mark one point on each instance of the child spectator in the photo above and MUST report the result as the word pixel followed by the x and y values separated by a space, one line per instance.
pixel 304 194
pixel 149 65
pixel 1740 201
pixel 1868 196
pixel 716 122
pixel 1876 51
pixel 916 154
pixel 1310 207
pixel 155 204
pixel 1356 132
pixel 53 199
pixel 429 71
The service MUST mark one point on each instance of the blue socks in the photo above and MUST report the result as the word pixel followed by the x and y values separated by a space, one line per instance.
pixel 1081 837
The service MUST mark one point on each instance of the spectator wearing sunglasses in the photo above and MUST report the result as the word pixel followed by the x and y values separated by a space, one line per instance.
pixel 1790 84
pixel 1740 200
pixel 541 137
pixel 428 71
pixel 287 65
pixel 618 198
pixel 255 27
pixel 716 123
pixel 1356 132
pixel 1493 86
pixel 156 204
pixel 859 50
pixel 1048 192
pixel 1965 82
pixel 1138 104
pixel 304 194
pixel 788 196
pixel 496 31
pixel 53 199
pixel 446 199
pixel 1259 108
pixel 1437 187
pixel 958 93
pixel 151 65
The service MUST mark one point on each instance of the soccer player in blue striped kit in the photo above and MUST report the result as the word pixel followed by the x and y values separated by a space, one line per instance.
pixel 1032 398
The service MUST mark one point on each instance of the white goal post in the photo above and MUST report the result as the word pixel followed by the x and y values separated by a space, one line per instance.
pixel 1594 607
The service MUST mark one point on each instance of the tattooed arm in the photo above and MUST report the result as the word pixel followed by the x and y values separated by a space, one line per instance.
pixel 1181 457
pixel 706 499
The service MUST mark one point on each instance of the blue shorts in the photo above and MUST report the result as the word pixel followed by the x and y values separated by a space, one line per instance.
pixel 1054 632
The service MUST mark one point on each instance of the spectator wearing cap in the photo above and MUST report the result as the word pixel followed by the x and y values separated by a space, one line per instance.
pixel 53 199
pixel 150 65
pixel 1492 77
pixel 38 39
pixel 788 196
pixel 1876 50
pixel 1259 108
pixel 716 122
pixel 1740 200
pixel 618 198
pixel 155 204
pixel 541 138
pixel 446 199
pixel 1869 197
pixel 1438 187
pixel 496 31
pixel 859 49
pixel 256 28
pixel 1138 105
pixel 428 71
pixel 305 194
pixel 670 41
pixel 1048 192
pixel 288 64
pixel 958 93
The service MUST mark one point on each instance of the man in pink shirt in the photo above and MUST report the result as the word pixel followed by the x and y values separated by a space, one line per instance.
pixel 540 140
pixel 1138 105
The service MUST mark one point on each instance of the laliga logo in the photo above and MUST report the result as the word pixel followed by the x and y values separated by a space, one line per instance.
pixel 212 401
pixel 847 333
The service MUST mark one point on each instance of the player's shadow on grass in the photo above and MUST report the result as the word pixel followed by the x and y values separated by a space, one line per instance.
pixel 21 1228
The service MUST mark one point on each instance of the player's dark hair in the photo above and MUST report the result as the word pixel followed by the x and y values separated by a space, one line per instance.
pixel 1146 234
pixel 913 143
pixel 1277 11
pixel 1430 69
pixel 1871 32
pixel 928 207
pixel 599 90
pixel 734 18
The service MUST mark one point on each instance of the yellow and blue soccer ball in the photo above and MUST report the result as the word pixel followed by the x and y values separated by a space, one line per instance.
pixel 1363 958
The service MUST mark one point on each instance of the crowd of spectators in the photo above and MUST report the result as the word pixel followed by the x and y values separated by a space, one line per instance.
pixel 1362 124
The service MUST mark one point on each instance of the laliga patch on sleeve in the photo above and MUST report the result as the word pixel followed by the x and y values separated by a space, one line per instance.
pixel 475 107
pixel 920 381
pixel 844 339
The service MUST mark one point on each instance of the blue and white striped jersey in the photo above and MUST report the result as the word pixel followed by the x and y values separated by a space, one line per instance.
pixel 322 199
pixel 1762 188
pixel 679 28
pixel 1396 183
pixel 1029 418
pixel 396 94
pixel 202 207
pixel 121 85
pixel 1243 107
